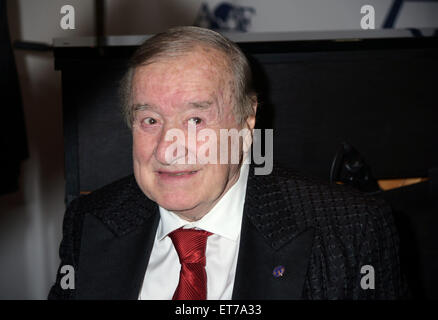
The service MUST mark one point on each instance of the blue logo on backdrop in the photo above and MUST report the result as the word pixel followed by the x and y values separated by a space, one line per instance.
pixel 225 17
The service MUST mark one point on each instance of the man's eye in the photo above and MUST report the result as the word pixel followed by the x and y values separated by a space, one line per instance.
pixel 149 121
pixel 195 120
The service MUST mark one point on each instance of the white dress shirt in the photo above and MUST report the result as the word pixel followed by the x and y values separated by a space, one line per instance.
pixel 224 220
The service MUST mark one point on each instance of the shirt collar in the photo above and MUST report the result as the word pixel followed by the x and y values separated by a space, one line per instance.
pixel 224 219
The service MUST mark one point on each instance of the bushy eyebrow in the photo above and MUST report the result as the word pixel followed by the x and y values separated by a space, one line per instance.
pixel 201 104
pixel 142 107
pixel 195 104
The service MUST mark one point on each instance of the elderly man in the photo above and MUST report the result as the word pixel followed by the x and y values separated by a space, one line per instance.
pixel 192 229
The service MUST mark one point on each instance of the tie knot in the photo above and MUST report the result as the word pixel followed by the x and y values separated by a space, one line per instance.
pixel 190 244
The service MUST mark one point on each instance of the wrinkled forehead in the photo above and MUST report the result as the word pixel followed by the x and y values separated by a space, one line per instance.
pixel 199 58
pixel 200 71
pixel 197 51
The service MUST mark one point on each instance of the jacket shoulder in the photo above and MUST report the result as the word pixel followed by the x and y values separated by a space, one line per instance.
pixel 107 196
pixel 303 201
pixel 323 196
pixel 121 205
pixel 114 205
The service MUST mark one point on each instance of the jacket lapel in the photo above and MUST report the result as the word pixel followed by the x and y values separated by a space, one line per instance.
pixel 264 247
pixel 113 267
pixel 115 249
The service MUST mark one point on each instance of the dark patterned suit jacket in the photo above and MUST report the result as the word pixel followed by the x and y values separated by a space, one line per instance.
pixel 322 234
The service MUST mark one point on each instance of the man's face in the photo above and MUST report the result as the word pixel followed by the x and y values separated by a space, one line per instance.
pixel 171 93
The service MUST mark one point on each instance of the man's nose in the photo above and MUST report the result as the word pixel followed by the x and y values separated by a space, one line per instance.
pixel 171 148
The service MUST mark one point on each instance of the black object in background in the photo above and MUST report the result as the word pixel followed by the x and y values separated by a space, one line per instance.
pixel 13 140
pixel 349 167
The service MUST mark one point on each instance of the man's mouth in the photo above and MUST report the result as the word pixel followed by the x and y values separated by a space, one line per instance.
pixel 176 174
pixel 180 173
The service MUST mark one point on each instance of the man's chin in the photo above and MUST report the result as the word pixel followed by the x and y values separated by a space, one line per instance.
pixel 178 206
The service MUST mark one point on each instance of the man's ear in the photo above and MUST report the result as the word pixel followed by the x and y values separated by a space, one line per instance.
pixel 251 120
pixel 250 124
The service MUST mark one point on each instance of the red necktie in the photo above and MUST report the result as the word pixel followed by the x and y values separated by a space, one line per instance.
pixel 190 245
